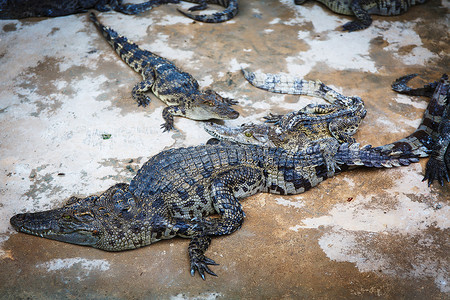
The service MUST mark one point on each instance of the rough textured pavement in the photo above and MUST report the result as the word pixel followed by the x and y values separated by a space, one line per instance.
pixel 367 233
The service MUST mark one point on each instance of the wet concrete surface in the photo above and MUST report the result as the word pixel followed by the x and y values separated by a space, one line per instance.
pixel 362 234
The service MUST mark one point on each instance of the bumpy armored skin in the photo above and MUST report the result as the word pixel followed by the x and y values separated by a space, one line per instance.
pixel 174 87
pixel 18 9
pixel 362 9
pixel 176 190
pixel 231 10
pixel 339 119
pixel 316 124
pixel 435 129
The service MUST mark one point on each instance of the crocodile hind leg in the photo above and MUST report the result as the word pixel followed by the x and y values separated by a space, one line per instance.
pixel 363 18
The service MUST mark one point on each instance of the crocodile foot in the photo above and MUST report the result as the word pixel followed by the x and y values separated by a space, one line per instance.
pixel 354 26
pixel 200 264
pixel 168 126
pixel 436 169
pixel 143 100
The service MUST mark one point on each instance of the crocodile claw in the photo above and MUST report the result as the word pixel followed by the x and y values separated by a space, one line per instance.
pixel 143 100
pixel 200 264
pixel 354 26
pixel 166 127
pixel 436 169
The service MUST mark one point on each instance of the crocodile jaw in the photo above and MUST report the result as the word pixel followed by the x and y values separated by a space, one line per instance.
pixel 51 225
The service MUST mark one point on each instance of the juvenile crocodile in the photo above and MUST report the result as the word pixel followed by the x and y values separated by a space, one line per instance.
pixel 435 127
pixel 18 9
pixel 176 190
pixel 174 87
pixel 340 118
pixel 362 9
pixel 316 124
pixel 231 10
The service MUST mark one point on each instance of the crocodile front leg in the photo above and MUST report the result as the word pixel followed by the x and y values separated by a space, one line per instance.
pixel 199 262
pixel 231 218
pixel 168 113
pixel 363 18
pixel 140 89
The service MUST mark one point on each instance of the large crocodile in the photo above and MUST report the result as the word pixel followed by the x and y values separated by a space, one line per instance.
pixel 18 9
pixel 437 126
pixel 176 190
pixel 362 9
pixel 174 87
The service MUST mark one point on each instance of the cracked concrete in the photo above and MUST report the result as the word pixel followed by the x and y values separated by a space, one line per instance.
pixel 70 127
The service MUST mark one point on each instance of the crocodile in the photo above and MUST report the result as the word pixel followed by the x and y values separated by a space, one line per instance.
pixel 362 9
pixel 324 124
pixel 178 89
pixel 435 127
pixel 175 192
pixel 231 10
pixel 339 119
pixel 18 9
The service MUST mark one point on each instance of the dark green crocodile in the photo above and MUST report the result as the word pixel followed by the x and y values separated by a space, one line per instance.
pixel 326 125
pixel 438 166
pixel 18 9
pixel 362 9
pixel 176 190
pixel 231 10
pixel 178 89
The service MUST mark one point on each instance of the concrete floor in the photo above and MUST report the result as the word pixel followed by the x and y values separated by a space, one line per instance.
pixel 363 234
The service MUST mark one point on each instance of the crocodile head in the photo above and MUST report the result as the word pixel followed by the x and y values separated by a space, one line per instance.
pixel 110 221
pixel 71 224
pixel 253 134
pixel 210 105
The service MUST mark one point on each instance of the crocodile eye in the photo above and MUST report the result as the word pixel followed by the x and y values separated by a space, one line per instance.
pixel 248 134
pixel 66 217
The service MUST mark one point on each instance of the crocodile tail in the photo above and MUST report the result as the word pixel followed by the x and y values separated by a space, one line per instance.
pixel 421 140
pixel 231 10
pixel 353 155
pixel 288 84
pixel 128 51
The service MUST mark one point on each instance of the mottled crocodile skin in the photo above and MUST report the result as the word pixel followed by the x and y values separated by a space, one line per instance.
pixel 178 89
pixel 17 9
pixel 176 190
pixel 326 125
pixel 435 128
pixel 362 9
pixel 231 10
